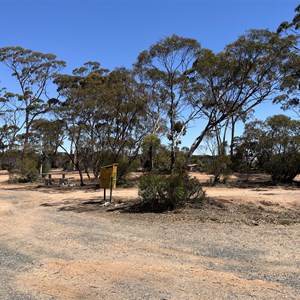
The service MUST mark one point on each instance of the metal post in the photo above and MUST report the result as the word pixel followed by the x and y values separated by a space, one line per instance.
pixel 104 194
pixel 111 187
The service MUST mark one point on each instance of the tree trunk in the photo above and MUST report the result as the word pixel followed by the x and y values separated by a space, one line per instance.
pixel 219 142
pixel 86 170
pixel 172 162
pixel 224 141
pixel 80 174
pixel 196 144
pixel 172 133
pixel 26 140
pixel 151 158
pixel 232 136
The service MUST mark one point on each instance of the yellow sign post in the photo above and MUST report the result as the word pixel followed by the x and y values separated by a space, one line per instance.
pixel 108 178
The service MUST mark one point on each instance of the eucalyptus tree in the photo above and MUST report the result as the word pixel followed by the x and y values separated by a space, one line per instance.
pixel 161 70
pixel 2 113
pixel 293 26
pixel 124 122
pixel 104 117
pixel 11 121
pixel 2 100
pixel 290 100
pixel 224 133
pixel 155 111
pixel 79 109
pixel 249 71
pixel 275 144
pixel 33 72
pixel 46 138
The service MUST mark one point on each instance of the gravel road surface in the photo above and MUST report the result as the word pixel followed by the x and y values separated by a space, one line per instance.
pixel 51 249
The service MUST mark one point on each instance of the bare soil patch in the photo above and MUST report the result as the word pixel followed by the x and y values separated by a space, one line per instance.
pixel 63 243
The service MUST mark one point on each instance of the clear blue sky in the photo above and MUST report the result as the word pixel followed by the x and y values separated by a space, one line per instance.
pixel 115 32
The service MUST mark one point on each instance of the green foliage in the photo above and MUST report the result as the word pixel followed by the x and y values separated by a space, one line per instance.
pixel 108 116
pixel 294 24
pixel 68 166
pixel 239 78
pixel 104 117
pixel 283 167
pixel 163 70
pixel 155 157
pixel 125 164
pixel 32 71
pixel 179 165
pixel 151 190
pixel 46 167
pixel 150 147
pixel 290 100
pixel 9 159
pixel 46 136
pixel 26 171
pixel 218 166
pixel 181 188
pixel 59 160
pixel 276 145
pixel 168 192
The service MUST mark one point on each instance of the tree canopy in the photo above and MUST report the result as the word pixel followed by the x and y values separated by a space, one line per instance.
pixel 101 116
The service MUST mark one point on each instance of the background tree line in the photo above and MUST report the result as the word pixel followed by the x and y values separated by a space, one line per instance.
pixel 138 116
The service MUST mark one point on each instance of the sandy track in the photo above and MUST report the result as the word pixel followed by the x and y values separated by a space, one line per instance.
pixel 50 249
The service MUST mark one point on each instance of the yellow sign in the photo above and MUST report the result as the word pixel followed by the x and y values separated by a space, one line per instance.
pixel 108 176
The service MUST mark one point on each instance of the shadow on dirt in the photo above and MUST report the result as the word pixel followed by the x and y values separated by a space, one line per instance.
pixel 53 189
pixel 208 210
pixel 256 185
pixel 76 205
pixel 255 181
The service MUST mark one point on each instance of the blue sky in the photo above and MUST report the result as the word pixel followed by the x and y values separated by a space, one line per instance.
pixel 115 32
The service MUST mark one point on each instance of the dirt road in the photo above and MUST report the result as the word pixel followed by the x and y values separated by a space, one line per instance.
pixel 59 244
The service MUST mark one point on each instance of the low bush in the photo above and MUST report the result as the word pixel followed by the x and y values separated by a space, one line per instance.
pixel 169 192
pixel 218 167
pixel 46 168
pixel 25 171
pixel 283 167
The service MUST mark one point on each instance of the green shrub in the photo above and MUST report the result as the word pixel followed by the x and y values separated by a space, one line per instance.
pixel 283 167
pixel 46 167
pixel 25 171
pixel 168 192
pixel 218 166
pixel 151 190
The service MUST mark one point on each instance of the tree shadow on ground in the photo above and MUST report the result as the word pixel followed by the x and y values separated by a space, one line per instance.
pixel 52 189
pixel 255 185
pixel 76 205
pixel 210 210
